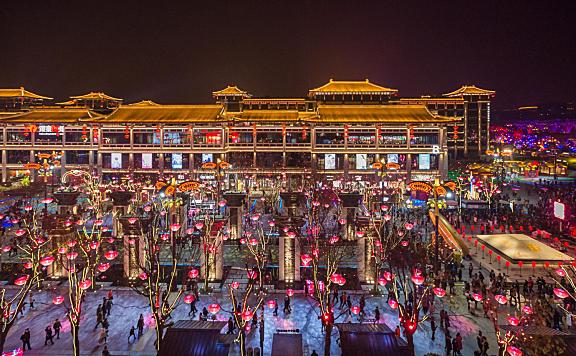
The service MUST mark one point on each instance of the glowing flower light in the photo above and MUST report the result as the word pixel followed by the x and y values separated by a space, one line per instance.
pixel 527 310
pixel 189 299
pixel 393 303
pixel 561 293
pixel 20 281
pixel 514 351
pixel 193 273
pixel 418 279
pixel 85 284
pixel 103 267
pixel 439 292
pixel 110 255
pixel 47 261
pixel 214 308
pixel 355 310
pixel 501 299
pixel 514 321
pixel 58 300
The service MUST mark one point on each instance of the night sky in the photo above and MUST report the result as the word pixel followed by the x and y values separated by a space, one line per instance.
pixel 176 52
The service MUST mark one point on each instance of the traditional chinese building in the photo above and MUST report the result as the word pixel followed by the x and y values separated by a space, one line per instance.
pixel 343 131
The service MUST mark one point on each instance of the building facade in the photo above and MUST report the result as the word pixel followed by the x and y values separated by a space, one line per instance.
pixel 343 131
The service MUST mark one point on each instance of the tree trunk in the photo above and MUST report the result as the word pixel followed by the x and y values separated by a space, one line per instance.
pixel 327 339
pixel 3 336
pixel 159 331
pixel 410 339
pixel 242 342
pixel 75 329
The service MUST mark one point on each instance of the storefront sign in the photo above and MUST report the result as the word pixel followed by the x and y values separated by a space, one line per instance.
pixel 32 166
pixel 188 186
pixel 420 186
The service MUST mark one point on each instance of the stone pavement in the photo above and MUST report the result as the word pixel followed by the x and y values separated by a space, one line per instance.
pixel 128 306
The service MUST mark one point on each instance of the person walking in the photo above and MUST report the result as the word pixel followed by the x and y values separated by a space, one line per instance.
pixel 457 345
pixel 448 344
pixel 109 304
pixel 230 326
pixel 49 336
pixel 193 309
pixel 287 309
pixel 140 325
pixel 105 351
pixel 26 339
pixel 132 333
pixel 57 326
pixel 275 313
pixel 485 346
pixel 104 306
pixel 376 315
pixel 99 316
pixel 433 328
pixel 103 336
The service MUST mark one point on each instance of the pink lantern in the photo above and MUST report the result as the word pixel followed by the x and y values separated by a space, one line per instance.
pixel 28 265
pixel 404 243
pixel 189 298
pixel 103 267
pixel 165 237
pixel 252 274
pixel 189 231
pixel 253 242
pixel 94 245
pixel 527 310
pixel 6 248
pixel 132 220
pixel 342 221
pixel 388 275
pixel 360 233
pixel 387 217
pixel 20 232
pixel 98 222
pixel 72 255
pixel 561 293
pixel 255 217
pixel 514 351
pixel 85 284
pixel 174 227
pixel 68 223
pixel 28 207
pixel 143 276
pixel 247 315
pixel 306 259
pixel 561 272
pixel 131 241
pixel 147 208
pixel 271 223
pixel 291 234
pixel 514 321
pixel 271 303
pixel 47 261
pixel 71 243
pixel 290 292
pixel 20 281
pixel 214 308
pixel 382 281
pixel 235 285
pixel 199 225
pixel 334 239
pixel 408 226
pixel 193 273
pixel 315 203
pixel 501 299
pixel 355 310
pixel 439 292
pixel 335 278
pixel 477 297
pixel 393 303
pixel 222 203
pixel 58 300
pixel 110 255
pixel 46 200
pixel 384 207
pixel 418 279
pixel 62 250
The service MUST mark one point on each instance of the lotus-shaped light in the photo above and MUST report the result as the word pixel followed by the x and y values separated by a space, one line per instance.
pixel 103 267
pixel 214 308
pixel 110 255
pixel 290 292
pixel 174 227
pixel 85 284
pixel 193 273
pixel 20 281
pixel 47 261
pixel 439 292
pixel 189 298
pixel 561 293
pixel 58 300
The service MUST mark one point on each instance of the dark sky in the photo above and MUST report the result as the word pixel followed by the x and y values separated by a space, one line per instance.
pixel 179 52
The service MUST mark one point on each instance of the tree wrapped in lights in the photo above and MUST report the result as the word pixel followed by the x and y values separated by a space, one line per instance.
pixel 210 242
pixel 36 256
pixel 245 303
pixel 85 257
pixel 155 283
pixel 256 241
pixel 325 249
pixel 488 188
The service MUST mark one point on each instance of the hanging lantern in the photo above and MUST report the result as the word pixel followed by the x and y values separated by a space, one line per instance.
pixel 199 225
pixel 98 222
pixel 418 279
pixel 477 297
pixel 132 220
pixel 561 272
pixel 175 227
pixel 147 208
pixel 291 234
pixel 103 267
pixel 393 303
pixel 253 242
pixel 306 259
pixel 289 292
pixel 85 284
pixel 57 300
pixel 6 248
pixel 110 255
pixel 501 299
pixel 404 243
pixel 94 245
pixel 408 226
pixel 335 278
pixel 235 285
pixel 143 276
pixel 439 292
pixel 247 315
pixel 72 255
pixel 514 321
pixel 165 237
pixel 334 239
pixel 271 303
pixel 28 265
pixel 252 274
pixel 342 221
pixel 20 232
pixel 527 310
pixel 193 273
pixel 189 299
pixel 561 293
pixel 355 310
pixel 255 217
pixel 382 281
pixel 20 281
pixel 271 223
pixel 388 275
pixel 513 351
pixel 214 308
pixel 387 217
pixel 28 207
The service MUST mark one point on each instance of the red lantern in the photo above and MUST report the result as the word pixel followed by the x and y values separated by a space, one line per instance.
pixel 507 263
pixel 235 285
pixel 355 310
pixel 21 280
pixel 143 276
pixel 189 298
pixel 58 300
pixel 213 308
pixel 477 296
pixel 47 261
pixel 193 273
pixel 103 267
pixel 546 264
pixel 439 292
pixel 520 264
pixel 247 315
pixel 514 351
pixel 271 304
pixel 527 310
pixel 393 303
pixel 418 279
pixel 110 255
pixel 289 292
pixel 306 259
pixel 514 321
pixel 72 255
pixel 382 281
pixel 252 274
pixel 501 298
pixel 85 284
pixel 561 293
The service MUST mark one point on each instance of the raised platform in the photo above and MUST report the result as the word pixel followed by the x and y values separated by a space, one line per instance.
pixel 520 247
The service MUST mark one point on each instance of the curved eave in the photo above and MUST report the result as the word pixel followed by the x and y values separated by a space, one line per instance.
pixel 162 114
pixel 51 116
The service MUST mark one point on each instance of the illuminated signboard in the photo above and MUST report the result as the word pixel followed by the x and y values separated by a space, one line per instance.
pixel 176 160
pixel 559 210
pixel 330 161
pixel 50 130
pixel 147 160
pixel 424 161
pixel 116 160
pixel 420 186
pixel 361 159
